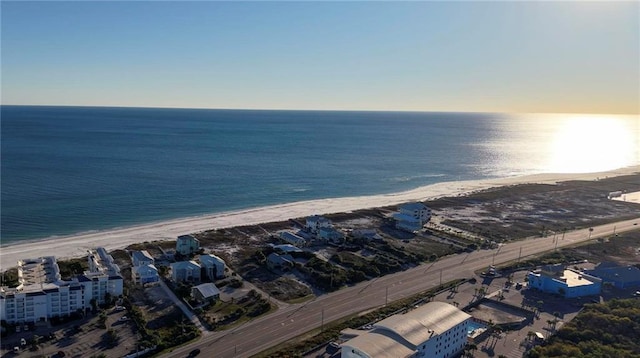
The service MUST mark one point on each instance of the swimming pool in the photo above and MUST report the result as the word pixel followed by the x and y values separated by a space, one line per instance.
pixel 473 325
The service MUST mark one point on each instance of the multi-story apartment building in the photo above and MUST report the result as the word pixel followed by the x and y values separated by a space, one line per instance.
pixel 41 293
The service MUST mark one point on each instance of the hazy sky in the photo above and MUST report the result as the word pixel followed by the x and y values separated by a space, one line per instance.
pixel 432 56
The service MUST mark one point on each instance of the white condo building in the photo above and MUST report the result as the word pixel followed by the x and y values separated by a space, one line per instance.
pixel 412 216
pixel 42 294
pixel 434 330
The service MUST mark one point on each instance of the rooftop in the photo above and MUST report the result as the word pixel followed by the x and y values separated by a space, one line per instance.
pixel 207 290
pixel 420 324
pixel 379 345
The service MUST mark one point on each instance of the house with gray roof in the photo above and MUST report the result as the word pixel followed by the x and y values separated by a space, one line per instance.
pixel 206 292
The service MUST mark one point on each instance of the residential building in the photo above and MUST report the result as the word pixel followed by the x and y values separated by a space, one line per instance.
pixel 42 294
pixel 292 238
pixel 565 282
pixel 286 248
pixel 187 245
pixel 185 271
pixel 331 235
pixel 412 216
pixel 434 330
pixel 144 274
pixel 315 222
pixel 279 262
pixel 206 292
pixel 619 276
pixel 141 258
pixel 367 234
pixel 214 267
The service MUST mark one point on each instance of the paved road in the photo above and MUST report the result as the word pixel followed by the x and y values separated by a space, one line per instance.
pixel 264 332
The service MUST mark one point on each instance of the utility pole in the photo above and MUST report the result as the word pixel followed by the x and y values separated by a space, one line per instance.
pixel 440 277
pixel 386 295
pixel 322 321
pixel 520 254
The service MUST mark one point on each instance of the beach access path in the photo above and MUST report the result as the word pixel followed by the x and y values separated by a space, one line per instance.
pixel 77 245
pixel 267 331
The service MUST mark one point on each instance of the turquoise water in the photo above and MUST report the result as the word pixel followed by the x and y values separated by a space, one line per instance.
pixel 66 170
pixel 473 325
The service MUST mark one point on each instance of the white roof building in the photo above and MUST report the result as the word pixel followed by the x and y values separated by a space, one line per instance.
pixel 434 330
pixel 185 271
pixel 141 258
pixel 187 245
pixel 144 274
pixel 42 294
pixel 213 265
pixel 412 216
pixel 315 222
pixel 292 238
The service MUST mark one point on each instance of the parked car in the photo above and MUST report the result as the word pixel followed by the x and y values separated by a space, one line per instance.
pixel 194 353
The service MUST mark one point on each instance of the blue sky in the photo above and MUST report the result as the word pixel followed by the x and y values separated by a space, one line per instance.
pixel 580 57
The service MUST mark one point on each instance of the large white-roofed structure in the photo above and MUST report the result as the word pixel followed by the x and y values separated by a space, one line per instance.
pixel 436 329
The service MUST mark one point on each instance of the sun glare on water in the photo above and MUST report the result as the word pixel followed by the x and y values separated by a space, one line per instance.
pixel 593 143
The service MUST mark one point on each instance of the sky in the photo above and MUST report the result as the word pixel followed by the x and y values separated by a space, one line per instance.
pixel 518 56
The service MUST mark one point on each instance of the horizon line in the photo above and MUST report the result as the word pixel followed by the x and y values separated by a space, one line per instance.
pixel 313 110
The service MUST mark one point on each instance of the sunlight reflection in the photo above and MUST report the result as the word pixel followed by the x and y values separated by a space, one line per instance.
pixel 592 143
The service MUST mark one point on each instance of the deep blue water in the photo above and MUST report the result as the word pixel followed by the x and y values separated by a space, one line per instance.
pixel 73 169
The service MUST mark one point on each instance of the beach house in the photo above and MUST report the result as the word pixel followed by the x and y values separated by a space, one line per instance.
pixel 141 258
pixel 185 271
pixel 206 292
pixel 330 235
pixel 187 245
pixel 279 262
pixel 144 274
pixel 433 330
pixel 214 267
pixel 292 238
pixel 412 216
pixel 315 222
pixel 41 293
pixel 566 282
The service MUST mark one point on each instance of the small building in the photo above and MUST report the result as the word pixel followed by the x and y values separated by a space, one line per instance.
pixel 206 292
pixel 214 267
pixel 185 271
pixel 286 248
pixel 145 274
pixel 142 258
pixel 412 216
pixel 292 238
pixel 279 262
pixel 565 282
pixel 433 330
pixel 331 235
pixel 619 276
pixel 315 222
pixel 187 245
pixel 366 234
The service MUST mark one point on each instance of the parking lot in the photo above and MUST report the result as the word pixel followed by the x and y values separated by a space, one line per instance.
pixel 79 338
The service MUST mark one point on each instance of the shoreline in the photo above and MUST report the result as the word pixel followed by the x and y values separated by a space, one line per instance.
pixel 73 246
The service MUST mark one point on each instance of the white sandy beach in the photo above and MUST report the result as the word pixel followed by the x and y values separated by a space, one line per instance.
pixel 77 245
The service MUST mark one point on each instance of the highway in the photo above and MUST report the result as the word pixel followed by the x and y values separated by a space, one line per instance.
pixel 264 332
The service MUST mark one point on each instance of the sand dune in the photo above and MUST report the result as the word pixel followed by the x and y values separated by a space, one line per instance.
pixel 77 245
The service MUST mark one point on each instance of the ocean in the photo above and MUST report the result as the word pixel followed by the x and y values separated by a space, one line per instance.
pixel 67 170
